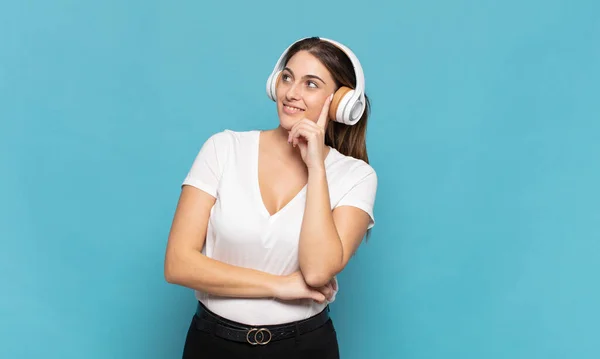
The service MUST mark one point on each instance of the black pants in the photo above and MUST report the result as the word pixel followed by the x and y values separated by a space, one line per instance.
pixel 321 343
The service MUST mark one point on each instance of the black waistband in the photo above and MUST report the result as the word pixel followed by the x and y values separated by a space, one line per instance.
pixel 255 335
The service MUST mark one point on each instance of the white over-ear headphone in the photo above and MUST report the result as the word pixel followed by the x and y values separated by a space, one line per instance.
pixel 348 105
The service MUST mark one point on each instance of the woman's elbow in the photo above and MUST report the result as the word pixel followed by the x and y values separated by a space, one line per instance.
pixel 318 275
pixel 170 273
pixel 318 278
pixel 173 268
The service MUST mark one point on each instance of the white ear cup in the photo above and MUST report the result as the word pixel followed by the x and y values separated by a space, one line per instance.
pixel 272 85
pixel 356 111
pixel 341 113
pixel 350 108
pixel 353 111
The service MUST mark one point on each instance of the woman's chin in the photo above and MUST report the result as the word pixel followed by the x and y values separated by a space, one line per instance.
pixel 287 121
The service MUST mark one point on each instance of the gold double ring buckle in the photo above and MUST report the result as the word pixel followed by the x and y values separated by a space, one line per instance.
pixel 260 337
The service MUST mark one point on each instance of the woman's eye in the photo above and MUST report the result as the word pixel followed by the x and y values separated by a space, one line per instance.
pixel 285 77
pixel 312 84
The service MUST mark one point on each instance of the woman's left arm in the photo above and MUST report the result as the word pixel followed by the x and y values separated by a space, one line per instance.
pixel 328 239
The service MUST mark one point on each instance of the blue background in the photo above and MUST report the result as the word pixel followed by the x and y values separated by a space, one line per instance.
pixel 484 133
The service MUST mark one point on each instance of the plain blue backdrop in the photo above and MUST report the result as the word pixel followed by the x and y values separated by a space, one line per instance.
pixel 484 133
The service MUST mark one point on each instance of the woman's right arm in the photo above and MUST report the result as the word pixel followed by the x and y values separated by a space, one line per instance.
pixel 185 265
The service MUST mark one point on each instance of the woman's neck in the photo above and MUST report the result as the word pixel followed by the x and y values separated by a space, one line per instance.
pixel 280 137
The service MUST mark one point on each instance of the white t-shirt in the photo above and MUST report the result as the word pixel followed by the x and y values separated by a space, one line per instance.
pixel 241 231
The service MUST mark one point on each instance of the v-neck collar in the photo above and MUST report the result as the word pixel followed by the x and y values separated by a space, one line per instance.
pixel 301 193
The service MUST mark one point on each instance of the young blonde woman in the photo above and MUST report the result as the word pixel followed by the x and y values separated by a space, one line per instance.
pixel 267 219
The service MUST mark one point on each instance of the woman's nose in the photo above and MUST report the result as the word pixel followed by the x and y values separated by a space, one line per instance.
pixel 293 93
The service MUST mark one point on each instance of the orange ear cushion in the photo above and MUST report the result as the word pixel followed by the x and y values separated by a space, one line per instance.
pixel 337 97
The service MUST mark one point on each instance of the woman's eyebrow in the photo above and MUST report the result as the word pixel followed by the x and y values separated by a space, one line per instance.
pixel 307 76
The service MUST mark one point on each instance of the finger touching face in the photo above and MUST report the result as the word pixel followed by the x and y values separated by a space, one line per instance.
pixel 302 89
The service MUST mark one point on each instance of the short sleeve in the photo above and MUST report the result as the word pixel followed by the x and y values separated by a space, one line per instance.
pixel 362 194
pixel 208 166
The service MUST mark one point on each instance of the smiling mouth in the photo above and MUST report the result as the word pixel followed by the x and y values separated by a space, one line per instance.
pixel 292 109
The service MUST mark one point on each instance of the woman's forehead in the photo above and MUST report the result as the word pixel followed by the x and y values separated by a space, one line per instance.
pixel 306 62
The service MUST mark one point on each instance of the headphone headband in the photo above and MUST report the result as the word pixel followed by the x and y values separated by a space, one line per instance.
pixel 358 71
pixel 348 104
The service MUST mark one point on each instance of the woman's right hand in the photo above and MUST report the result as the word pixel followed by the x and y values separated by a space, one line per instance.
pixel 293 287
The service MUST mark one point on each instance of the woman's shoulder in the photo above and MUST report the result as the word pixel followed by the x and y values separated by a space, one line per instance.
pixel 228 135
pixel 350 166
pixel 353 181
pixel 227 143
pixel 227 140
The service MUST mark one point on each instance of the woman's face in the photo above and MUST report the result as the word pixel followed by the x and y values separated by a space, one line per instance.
pixel 302 89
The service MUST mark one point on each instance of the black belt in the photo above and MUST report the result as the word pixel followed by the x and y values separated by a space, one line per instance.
pixel 259 335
